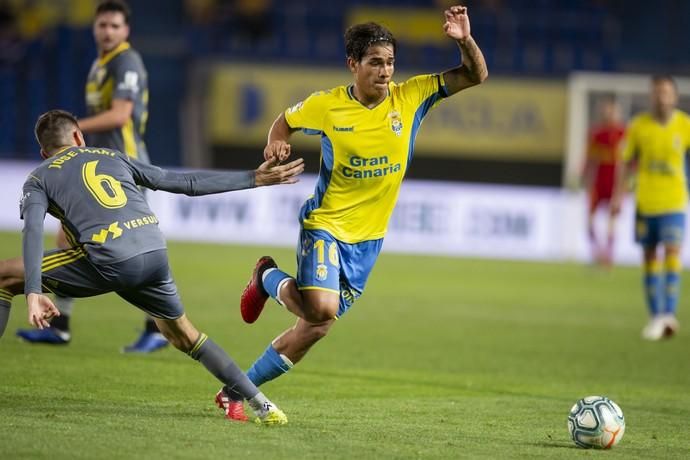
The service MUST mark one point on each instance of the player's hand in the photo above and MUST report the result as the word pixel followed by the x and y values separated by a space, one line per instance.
pixel 271 172
pixel 457 25
pixel 277 151
pixel 41 309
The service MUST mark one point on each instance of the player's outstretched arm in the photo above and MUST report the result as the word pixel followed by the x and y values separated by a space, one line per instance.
pixel 473 70
pixel 33 207
pixel 197 183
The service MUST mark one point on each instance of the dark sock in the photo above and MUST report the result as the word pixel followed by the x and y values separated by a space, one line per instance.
pixel 233 394
pixel 61 323
pixel 150 326
pixel 4 315
pixel 222 367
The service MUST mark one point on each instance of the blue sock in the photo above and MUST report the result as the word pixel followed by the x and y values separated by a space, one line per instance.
pixel 272 279
pixel 269 366
pixel 652 285
pixel 672 291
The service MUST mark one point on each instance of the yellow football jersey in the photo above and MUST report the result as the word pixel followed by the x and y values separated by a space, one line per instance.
pixel 364 154
pixel 660 151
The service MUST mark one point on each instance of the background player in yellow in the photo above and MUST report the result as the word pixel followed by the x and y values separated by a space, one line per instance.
pixel 655 150
pixel 367 132
pixel 117 103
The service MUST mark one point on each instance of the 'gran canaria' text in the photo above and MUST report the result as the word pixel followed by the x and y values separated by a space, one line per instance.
pixel 364 168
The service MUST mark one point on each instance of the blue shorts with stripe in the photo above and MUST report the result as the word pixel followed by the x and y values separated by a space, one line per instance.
pixel 651 230
pixel 328 264
pixel 143 280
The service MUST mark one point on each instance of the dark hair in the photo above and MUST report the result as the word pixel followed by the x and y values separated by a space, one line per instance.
pixel 360 37
pixel 54 128
pixel 114 6
pixel 660 78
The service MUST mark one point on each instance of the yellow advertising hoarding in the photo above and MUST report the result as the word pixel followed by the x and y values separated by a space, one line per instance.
pixel 519 119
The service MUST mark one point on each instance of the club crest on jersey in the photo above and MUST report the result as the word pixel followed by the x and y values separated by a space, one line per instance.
pixel 321 272
pixel 396 122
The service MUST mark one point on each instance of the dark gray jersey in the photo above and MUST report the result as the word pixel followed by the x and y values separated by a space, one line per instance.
pixel 94 193
pixel 120 74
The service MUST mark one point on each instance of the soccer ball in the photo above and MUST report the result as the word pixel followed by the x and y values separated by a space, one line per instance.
pixel 596 421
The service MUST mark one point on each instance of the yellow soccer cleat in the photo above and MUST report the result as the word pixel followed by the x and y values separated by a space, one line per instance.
pixel 271 416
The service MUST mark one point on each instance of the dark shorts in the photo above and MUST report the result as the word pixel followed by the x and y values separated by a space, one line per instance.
pixel 144 280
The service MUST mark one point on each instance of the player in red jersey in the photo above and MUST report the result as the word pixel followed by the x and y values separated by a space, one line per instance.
pixel 603 153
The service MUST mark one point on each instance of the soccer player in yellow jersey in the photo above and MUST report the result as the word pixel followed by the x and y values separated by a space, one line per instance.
pixel 367 132
pixel 656 144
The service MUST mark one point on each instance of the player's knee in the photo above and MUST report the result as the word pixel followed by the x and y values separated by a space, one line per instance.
pixel 61 240
pixel 321 315
pixel 321 310
pixel 182 343
pixel 177 338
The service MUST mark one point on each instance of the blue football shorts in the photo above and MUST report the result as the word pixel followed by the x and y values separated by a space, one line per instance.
pixel 651 230
pixel 143 280
pixel 328 264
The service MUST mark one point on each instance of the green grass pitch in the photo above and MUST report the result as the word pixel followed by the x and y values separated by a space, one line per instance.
pixel 441 358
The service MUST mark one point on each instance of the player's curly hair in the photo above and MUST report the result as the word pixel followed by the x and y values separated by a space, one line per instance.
pixel 360 37
pixel 54 128
pixel 114 6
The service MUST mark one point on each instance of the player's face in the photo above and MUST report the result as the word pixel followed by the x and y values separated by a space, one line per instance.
pixel 664 97
pixel 374 71
pixel 109 30
pixel 610 112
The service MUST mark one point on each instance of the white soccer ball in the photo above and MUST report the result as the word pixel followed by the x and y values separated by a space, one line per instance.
pixel 596 421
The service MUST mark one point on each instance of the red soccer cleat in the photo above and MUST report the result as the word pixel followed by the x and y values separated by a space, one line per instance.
pixel 234 410
pixel 254 295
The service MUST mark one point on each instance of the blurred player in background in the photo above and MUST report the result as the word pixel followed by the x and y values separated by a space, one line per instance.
pixel 658 142
pixel 367 134
pixel 117 101
pixel 118 245
pixel 603 153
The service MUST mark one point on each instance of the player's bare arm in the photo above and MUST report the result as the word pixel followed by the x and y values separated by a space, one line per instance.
pixel 277 146
pixel 114 118
pixel 473 70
